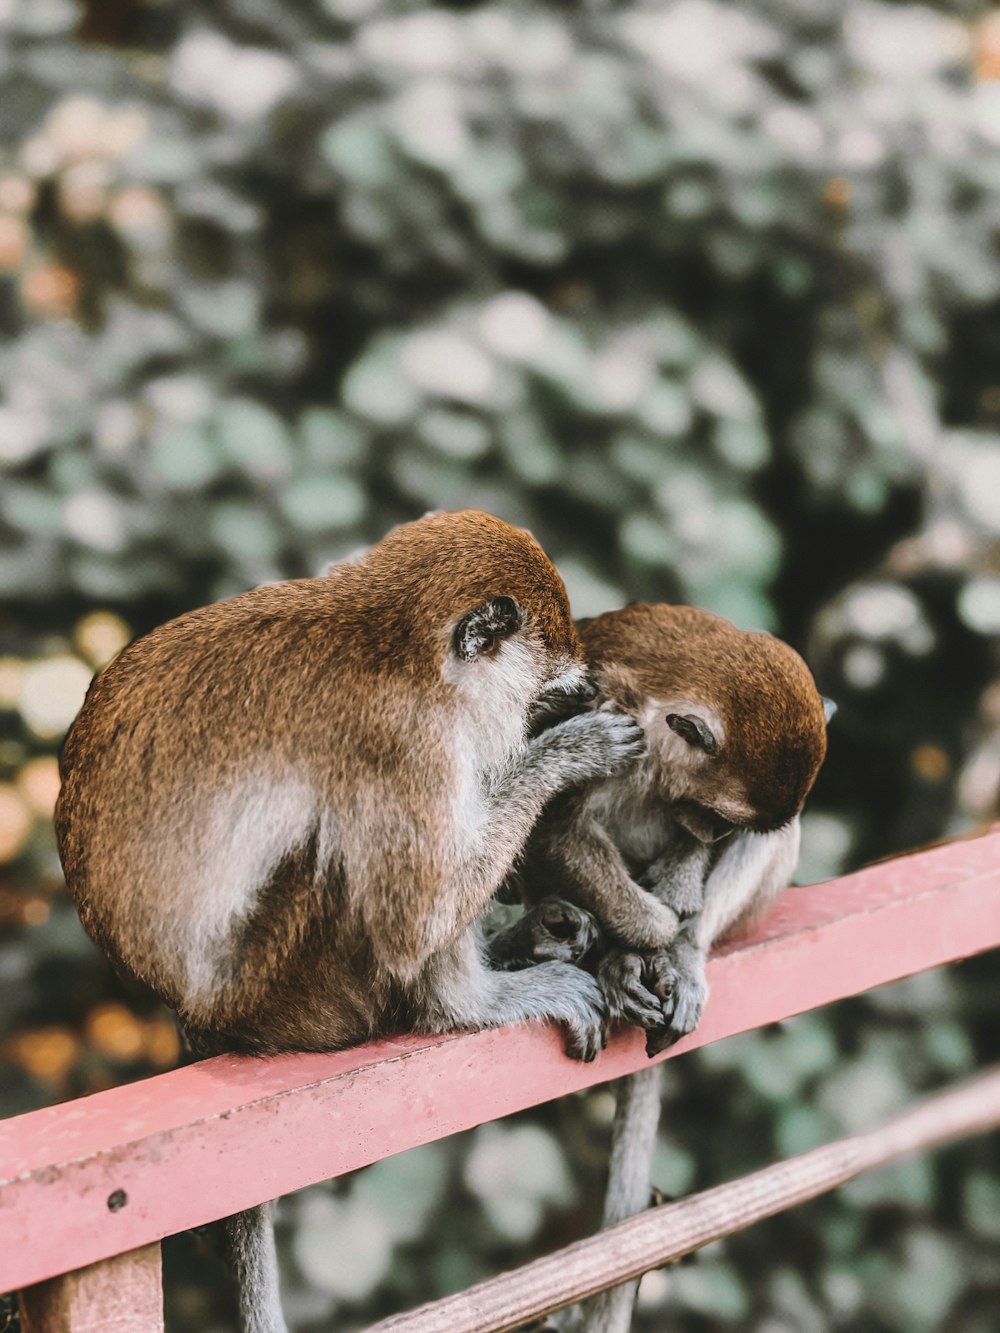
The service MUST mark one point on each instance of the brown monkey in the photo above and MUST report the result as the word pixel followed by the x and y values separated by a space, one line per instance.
pixel 286 812
pixel 677 851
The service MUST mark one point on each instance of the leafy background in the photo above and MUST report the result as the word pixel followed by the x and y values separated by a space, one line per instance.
pixel 704 293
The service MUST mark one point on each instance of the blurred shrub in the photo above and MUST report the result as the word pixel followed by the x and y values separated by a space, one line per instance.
pixel 707 295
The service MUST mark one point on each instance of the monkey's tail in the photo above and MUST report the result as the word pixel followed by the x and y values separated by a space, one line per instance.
pixel 247 1242
pixel 633 1139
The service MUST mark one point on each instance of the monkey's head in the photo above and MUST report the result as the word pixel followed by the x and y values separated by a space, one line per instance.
pixel 478 603
pixel 735 725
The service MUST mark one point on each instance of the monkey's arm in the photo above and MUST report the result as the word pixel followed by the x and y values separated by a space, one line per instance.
pixel 751 870
pixel 678 877
pixel 586 865
pixel 450 891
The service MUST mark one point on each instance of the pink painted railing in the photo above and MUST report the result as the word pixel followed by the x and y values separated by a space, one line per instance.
pixel 88 1188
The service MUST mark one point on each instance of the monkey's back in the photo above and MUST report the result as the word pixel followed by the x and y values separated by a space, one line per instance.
pixel 213 788
pixel 259 798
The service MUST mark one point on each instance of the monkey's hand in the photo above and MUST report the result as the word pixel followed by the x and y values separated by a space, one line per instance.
pixel 678 980
pixel 588 746
pixel 578 1003
pixel 620 975
pixel 553 931
pixel 557 704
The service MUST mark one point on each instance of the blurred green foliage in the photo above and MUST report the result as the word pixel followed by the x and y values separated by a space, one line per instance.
pixel 708 295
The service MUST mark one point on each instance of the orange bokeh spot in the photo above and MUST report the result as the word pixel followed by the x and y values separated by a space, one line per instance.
pixel 47 1053
pixel 51 290
pixel 838 192
pixel 115 1031
pixel 931 762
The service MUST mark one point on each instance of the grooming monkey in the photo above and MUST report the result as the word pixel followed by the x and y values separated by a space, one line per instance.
pixel 285 812
pixel 675 852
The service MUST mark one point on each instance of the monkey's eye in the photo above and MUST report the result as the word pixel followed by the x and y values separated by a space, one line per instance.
pixel 722 827
pixel 694 730
pixel 704 824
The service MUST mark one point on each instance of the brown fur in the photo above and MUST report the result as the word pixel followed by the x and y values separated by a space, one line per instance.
pixel 286 812
pixel 337 681
pixel 629 848
pixel 651 661
pixel 763 692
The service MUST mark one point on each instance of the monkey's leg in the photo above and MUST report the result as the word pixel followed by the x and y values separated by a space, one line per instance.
pixel 633 1139
pixel 588 860
pixel 459 990
pixel 552 931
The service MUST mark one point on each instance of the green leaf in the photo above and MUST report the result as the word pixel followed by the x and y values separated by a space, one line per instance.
pixel 255 438
pixel 361 150
pixel 185 457
pixel 319 502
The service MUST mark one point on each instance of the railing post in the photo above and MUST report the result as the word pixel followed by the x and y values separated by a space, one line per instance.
pixel 119 1295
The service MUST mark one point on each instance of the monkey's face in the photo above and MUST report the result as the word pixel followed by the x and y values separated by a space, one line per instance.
pixel 719 775
pixel 688 766
pixel 735 726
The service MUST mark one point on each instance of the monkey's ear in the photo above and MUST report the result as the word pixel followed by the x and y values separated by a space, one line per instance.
pixel 694 730
pixel 480 632
pixel 829 707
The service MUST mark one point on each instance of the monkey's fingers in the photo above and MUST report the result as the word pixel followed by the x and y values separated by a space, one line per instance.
pixel 661 1039
pixel 587 1046
pixel 636 1005
pixel 585 1041
pixel 661 978
pixel 683 1011
pixel 584 1013
pixel 630 736
pixel 620 976
pixel 589 745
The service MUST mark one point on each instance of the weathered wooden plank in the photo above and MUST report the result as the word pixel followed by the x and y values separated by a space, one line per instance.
pixel 114 1171
pixel 662 1235
pixel 119 1295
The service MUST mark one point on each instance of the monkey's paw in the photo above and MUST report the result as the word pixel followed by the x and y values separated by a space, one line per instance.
pixel 591 745
pixel 560 931
pixel 620 977
pixel 553 931
pixel 584 1015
